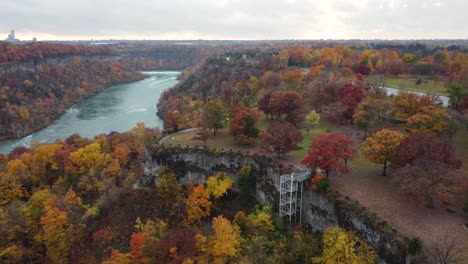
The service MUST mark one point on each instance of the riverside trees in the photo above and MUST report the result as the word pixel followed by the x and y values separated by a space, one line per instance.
pixel 30 100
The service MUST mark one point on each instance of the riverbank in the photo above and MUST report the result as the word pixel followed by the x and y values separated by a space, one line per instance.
pixel 117 108
pixel 32 100
pixel 61 113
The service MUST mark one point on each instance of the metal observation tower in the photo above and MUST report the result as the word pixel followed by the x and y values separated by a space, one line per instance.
pixel 291 194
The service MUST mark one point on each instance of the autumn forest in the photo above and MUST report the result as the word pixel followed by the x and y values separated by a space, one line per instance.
pixel 382 125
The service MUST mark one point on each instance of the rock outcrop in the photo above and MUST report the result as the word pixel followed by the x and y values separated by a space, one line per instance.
pixel 320 210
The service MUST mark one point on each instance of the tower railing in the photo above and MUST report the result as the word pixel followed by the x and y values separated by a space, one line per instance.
pixel 291 194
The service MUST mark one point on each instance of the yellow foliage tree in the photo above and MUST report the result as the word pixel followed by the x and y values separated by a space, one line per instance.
pixel 340 246
pixel 10 188
pixel 86 158
pixel 112 170
pixel 382 147
pixel 169 191
pixel 153 231
pixel 198 204
pixel 262 219
pixel 431 120
pixel 117 257
pixel 17 168
pixel 408 58
pixel 36 203
pixel 312 120
pixel 224 244
pixel 44 160
pixel 409 104
pixel 24 113
pixel 219 184
pixel 12 254
pixel 56 232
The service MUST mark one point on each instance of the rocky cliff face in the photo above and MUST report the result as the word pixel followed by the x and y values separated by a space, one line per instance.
pixel 320 210
pixel 36 65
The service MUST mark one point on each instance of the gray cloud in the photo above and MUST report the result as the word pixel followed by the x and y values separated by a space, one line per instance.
pixel 412 19
pixel 235 19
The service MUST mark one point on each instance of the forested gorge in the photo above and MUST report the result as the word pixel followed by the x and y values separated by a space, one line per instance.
pixel 14 53
pixel 80 200
pixel 75 201
pixel 164 56
pixel 31 100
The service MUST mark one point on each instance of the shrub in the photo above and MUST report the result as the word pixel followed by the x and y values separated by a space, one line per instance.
pixel 414 245
pixel 320 183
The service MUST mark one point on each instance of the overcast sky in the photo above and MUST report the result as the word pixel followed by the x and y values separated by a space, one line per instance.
pixel 234 19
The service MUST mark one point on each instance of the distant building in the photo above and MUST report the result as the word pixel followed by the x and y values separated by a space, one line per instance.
pixel 34 39
pixel 11 37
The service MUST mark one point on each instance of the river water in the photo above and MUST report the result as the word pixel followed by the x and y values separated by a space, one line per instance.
pixel 118 108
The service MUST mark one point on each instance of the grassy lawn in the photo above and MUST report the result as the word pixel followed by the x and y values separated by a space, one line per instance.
pixel 409 84
pixel 323 127
pixel 226 141
pixel 221 140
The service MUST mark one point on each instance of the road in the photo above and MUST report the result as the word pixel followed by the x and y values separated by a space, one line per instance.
pixel 444 100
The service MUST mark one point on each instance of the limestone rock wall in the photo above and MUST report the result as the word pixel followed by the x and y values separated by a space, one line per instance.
pixel 320 210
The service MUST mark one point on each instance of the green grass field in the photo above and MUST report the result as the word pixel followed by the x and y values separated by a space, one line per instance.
pixel 323 127
pixel 226 141
pixel 409 84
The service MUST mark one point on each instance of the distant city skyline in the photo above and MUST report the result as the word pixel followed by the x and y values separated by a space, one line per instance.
pixel 235 19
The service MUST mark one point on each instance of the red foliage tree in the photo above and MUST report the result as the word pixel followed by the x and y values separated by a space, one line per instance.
pixel 137 243
pixel 281 138
pixel 350 96
pixel 464 104
pixel 330 151
pixel 288 104
pixel 426 147
pixel 242 125
pixel 397 67
pixel 430 182
pixel 203 134
pixel 179 245
pixel 264 104
pixel 16 152
pixel 362 69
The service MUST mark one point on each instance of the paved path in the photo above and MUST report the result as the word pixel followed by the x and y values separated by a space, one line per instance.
pixel 444 100
pixel 178 132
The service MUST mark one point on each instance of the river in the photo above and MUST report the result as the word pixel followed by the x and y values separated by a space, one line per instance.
pixel 118 108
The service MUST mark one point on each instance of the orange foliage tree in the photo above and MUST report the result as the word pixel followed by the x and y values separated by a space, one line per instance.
pixel 198 204
pixel 137 243
pixel 382 147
